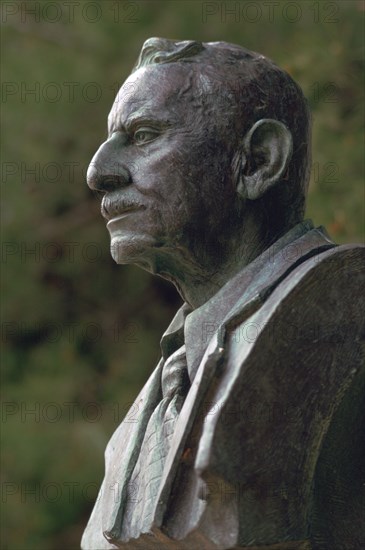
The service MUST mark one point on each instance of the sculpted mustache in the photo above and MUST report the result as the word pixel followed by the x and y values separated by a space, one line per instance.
pixel 112 206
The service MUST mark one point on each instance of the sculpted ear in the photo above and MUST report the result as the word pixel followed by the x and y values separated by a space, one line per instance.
pixel 267 150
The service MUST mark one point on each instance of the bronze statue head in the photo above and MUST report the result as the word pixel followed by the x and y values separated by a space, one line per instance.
pixel 206 163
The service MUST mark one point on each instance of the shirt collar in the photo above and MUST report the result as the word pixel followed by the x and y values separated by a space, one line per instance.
pixel 173 337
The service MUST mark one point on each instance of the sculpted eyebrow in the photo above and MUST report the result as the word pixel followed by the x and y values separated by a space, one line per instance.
pixel 139 117
pixel 146 118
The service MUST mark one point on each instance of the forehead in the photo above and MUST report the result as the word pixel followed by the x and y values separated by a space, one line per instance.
pixel 156 90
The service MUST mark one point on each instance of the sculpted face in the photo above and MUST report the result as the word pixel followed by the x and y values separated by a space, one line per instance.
pixel 165 170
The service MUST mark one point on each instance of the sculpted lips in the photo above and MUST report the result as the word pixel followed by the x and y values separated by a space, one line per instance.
pixel 113 206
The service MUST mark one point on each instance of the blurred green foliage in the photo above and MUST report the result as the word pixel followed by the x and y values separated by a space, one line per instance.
pixel 80 335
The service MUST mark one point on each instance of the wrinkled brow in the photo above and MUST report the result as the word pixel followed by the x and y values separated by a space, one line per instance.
pixel 116 121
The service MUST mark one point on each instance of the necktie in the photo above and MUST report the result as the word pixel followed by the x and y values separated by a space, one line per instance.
pixel 145 479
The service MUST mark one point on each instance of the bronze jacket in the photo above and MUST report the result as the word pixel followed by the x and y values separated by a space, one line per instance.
pixel 268 448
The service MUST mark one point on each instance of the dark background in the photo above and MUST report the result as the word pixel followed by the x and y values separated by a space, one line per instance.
pixel 80 335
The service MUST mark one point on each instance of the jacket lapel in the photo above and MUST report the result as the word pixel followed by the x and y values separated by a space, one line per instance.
pixel 122 453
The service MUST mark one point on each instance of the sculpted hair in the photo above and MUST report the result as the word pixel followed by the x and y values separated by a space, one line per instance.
pixel 255 88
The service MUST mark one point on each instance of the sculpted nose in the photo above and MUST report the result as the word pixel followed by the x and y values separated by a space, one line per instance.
pixel 106 172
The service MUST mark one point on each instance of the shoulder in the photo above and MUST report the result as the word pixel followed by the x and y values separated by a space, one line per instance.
pixel 287 369
pixel 326 291
pixel 338 265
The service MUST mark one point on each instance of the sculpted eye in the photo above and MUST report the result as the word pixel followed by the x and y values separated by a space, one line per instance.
pixel 144 135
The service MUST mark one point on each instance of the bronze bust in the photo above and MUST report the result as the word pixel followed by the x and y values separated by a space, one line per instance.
pixel 250 429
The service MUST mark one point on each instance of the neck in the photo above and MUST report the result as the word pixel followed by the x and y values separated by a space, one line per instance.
pixel 199 276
